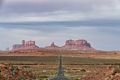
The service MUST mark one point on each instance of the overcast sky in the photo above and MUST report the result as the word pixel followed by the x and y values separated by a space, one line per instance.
pixel 46 21
pixel 59 10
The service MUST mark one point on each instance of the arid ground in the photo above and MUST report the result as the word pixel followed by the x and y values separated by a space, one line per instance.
pixel 41 64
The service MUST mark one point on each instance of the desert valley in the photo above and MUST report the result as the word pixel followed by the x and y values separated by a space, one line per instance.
pixel 59 40
pixel 81 61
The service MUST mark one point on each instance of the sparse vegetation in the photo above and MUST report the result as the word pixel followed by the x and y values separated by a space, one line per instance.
pixel 42 64
pixel 42 68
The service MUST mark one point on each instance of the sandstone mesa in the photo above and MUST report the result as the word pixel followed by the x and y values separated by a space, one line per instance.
pixel 80 44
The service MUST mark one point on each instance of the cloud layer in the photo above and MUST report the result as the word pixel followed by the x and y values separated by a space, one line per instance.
pixel 57 20
pixel 60 10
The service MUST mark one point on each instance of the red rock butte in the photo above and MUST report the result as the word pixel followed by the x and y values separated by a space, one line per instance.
pixel 52 46
pixel 77 45
pixel 25 45
pixel 73 45
pixel 69 45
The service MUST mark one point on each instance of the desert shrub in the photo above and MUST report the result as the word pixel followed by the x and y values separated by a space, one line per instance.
pixel 11 72
pixel 43 76
pixel 116 70
pixel 83 70
pixel 77 79
pixel 21 78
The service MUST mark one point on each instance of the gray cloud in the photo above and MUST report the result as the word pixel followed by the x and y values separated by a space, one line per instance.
pixel 60 10
pixel 1 3
pixel 53 5
pixel 58 20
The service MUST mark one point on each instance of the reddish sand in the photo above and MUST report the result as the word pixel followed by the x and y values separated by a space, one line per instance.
pixel 72 53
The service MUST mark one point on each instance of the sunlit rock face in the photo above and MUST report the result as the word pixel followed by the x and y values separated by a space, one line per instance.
pixel 73 45
pixel 25 45
pixel 69 45
pixel 53 46
pixel 77 45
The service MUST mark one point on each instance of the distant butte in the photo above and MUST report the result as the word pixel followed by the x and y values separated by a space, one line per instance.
pixel 25 45
pixel 69 45
pixel 73 45
pixel 52 46
pixel 77 45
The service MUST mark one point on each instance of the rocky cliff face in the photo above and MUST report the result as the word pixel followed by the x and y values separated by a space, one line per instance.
pixel 25 45
pixel 52 46
pixel 77 45
pixel 72 45
pixel 69 45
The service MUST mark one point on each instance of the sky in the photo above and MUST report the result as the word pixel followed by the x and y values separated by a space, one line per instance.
pixel 46 21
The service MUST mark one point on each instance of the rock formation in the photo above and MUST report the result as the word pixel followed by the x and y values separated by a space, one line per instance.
pixel 73 45
pixel 77 45
pixel 69 45
pixel 25 45
pixel 52 46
